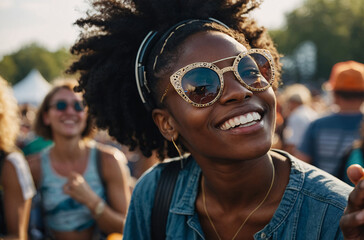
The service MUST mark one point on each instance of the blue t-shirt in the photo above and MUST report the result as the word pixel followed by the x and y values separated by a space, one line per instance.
pixel 327 138
pixel 311 206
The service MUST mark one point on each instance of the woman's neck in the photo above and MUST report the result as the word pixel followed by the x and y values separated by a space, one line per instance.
pixel 239 184
pixel 69 150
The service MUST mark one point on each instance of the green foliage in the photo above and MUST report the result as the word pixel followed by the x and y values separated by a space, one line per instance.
pixel 336 27
pixel 16 66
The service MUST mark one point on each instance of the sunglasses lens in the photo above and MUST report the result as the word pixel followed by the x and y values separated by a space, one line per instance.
pixel 201 85
pixel 61 105
pixel 78 107
pixel 255 70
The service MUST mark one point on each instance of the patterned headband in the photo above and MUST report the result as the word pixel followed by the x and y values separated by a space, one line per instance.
pixel 152 39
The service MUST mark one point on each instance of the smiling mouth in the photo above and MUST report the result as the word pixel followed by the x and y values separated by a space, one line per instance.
pixel 244 120
pixel 69 122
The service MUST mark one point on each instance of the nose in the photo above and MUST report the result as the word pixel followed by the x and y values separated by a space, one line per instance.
pixel 70 108
pixel 233 90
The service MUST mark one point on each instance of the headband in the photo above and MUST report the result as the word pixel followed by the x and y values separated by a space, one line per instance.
pixel 152 39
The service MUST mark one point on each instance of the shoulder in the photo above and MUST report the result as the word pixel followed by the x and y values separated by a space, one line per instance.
pixel 147 183
pixel 8 170
pixel 17 173
pixel 323 122
pixel 329 119
pixel 9 177
pixel 16 158
pixel 113 162
pixel 110 153
pixel 19 162
pixel 141 204
pixel 142 200
pixel 317 184
pixel 321 185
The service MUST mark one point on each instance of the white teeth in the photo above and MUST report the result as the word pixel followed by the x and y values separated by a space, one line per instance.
pixel 232 122
pixel 247 119
pixel 69 122
pixel 256 116
pixel 250 117
pixel 236 121
pixel 243 119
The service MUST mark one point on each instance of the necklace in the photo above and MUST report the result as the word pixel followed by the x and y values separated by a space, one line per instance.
pixel 246 219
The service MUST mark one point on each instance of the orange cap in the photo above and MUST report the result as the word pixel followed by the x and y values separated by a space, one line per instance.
pixel 347 76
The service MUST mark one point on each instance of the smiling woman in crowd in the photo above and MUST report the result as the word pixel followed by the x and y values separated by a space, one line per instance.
pixel 79 200
pixel 197 79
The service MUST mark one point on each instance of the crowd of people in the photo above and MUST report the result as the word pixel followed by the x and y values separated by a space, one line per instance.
pixel 179 128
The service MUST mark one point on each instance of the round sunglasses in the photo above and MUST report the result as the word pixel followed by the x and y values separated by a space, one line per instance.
pixel 202 83
pixel 62 105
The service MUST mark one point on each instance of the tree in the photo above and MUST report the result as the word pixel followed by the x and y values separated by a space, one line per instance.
pixel 336 27
pixel 16 66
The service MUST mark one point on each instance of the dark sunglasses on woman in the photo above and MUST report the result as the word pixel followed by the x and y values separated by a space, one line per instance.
pixel 62 105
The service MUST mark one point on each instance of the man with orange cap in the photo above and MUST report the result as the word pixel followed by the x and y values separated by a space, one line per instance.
pixel 327 138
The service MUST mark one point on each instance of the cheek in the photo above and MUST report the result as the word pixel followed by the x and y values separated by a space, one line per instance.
pixel 190 121
pixel 83 118
pixel 46 119
pixel 272 101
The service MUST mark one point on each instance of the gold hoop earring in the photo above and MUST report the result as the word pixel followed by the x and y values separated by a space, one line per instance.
pixel 179 152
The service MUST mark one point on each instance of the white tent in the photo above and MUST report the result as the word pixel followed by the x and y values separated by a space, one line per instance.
pixel 32 89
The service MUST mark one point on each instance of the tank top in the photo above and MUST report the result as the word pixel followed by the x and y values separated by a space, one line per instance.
pixel 63 213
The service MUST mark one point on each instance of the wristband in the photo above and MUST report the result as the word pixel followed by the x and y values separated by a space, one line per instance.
pixel 99 209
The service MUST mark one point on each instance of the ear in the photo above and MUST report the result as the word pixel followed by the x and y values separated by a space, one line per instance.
pixel 165 122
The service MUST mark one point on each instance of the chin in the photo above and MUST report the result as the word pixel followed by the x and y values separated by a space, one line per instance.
pixel 71 135
pixel 262 149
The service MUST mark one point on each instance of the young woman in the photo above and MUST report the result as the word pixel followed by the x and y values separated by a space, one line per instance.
pixel 16 183
pixel 78 198
pixel 198 78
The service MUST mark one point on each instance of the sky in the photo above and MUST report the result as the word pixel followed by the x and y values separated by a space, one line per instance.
pixel 50 22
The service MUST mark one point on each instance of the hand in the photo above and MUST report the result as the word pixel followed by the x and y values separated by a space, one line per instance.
pixel 352 221
pixel 79 190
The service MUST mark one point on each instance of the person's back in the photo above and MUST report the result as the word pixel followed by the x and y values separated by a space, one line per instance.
pixel 327 138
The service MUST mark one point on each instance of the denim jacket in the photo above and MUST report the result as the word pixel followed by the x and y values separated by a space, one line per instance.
pixel 311 207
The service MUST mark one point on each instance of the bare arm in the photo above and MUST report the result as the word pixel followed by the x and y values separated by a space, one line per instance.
pixel 117 179
pixel 17 209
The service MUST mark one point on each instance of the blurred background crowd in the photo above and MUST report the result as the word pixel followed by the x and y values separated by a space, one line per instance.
pixel 319 113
